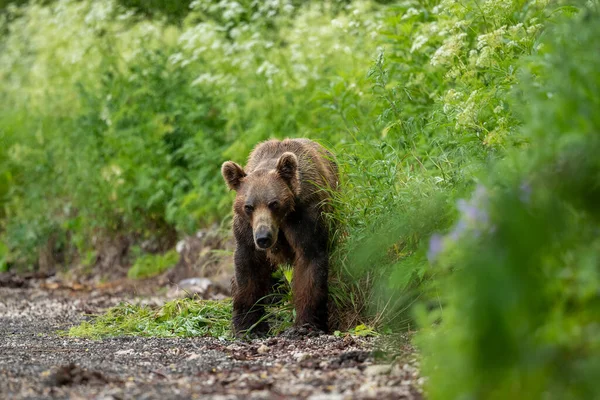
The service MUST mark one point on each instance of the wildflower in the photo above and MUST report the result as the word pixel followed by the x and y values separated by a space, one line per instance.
pixel 453 73
pixel 268 70
pixel 206 78
pixel 411 12
pixel 288 8
pixel 336 23
pixel 105 116
pixel 448 50
pixel 474 220
pixel 436 246
pixel 534 28
pixel 494 7
pixel 447 4
pixel 485 57
pixel 419 41
pixel 515 29
pixel 453 95
pixel 100 11
pixel 468 113
pixel 474 214
pixel 112 174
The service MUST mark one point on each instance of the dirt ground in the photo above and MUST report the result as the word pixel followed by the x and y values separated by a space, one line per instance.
pixel 38 363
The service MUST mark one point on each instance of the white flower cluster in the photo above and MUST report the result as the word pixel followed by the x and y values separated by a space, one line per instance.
pixel 112 174
pixel 310 41
pixel 467 115
pixel 488 45
pixel 450 49
pixel 411 12
pixel 470 41
pixel 497 7
pixel 53 47
pixel 231 11
pixel 419 41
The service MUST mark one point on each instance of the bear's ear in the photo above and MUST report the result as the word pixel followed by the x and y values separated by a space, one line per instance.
pixel 287 169
pixel 233 174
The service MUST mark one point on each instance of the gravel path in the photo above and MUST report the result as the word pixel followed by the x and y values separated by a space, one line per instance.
pixel 37 363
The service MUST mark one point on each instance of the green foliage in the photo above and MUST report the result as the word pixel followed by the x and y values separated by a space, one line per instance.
pixel 441 89
pixel 520 314
pixel 178 318
pixel 123 130
pixel 149 265
pixel 3 257
pixel 425 103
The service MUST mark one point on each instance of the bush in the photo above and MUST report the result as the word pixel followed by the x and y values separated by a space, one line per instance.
pixel 123 131
pixel 442 89
pixel 149 265
pixel 519 316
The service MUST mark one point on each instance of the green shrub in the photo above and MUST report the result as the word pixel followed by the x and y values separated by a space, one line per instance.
pixel 123 131
pixel 442 89
pixel 150 265
pixel 519 316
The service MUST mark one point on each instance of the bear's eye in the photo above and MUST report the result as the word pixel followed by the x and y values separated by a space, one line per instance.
pixel 274 205
pixel 248 208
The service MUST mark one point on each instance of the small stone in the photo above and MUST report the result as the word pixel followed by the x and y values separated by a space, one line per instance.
pixel 398 371
pixel 301 356
pixel 263 349
pixel 374 370
pixel 326 396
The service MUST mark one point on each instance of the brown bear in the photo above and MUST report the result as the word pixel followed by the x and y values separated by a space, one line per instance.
pixel 278 218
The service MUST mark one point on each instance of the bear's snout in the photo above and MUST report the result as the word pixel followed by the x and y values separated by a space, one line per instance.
pixel 263 237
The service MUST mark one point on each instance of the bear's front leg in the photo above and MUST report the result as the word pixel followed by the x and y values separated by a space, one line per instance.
pixel 251 283
pixel 309 238
pixel 310 291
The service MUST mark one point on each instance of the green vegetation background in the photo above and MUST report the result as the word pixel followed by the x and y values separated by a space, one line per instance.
pixel 466 132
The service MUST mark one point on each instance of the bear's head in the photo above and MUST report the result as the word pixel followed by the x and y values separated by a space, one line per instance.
pixel 265 196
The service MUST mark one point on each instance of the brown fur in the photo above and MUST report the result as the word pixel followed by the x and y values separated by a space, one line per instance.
pixel 281 195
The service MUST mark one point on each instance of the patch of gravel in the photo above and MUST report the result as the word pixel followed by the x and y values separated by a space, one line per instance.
pixel 37 363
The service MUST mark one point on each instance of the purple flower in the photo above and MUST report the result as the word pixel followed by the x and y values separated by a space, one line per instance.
pixel 459 229
pixel 474 212
pixel 436 246
pixel 474 220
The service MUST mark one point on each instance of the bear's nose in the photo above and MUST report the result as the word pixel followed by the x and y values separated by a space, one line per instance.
pixel 264 238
